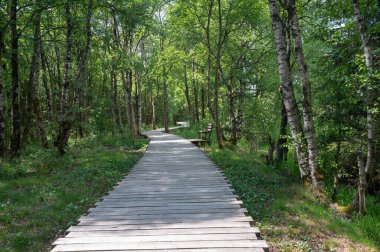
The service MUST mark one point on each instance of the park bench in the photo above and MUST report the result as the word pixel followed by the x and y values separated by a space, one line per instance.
pixel 204 136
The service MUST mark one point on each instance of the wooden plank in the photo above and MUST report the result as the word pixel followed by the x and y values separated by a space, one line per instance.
pixel 187 225
pixel 165 217
pixel 175 184
pixel 189 193
pixel 153 201
pixel 162 245
pixel 165 208
pixel 127 215
pixel 162 238
pixel 157 189
pixel 167 204
pixel 118 211
pixel 172 231
pixel 229 196
pixel 210 214
pixel 167 222
pixel 201 250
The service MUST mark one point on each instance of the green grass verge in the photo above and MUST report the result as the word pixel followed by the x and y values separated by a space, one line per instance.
pixel 43 193
pixel 289 218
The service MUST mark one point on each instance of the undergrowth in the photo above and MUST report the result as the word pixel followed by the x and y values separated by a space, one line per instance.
pixel 289 217
pixel 43 193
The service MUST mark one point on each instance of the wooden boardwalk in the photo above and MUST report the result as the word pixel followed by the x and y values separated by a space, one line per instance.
pixel 175 199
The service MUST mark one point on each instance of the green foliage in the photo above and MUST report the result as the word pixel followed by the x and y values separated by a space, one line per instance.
pixel 248 183
pixel 42 193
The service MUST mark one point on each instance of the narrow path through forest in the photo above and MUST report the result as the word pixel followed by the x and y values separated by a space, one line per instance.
pixel 174 199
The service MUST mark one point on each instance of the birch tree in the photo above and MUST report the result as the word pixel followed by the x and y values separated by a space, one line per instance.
pixel 287 91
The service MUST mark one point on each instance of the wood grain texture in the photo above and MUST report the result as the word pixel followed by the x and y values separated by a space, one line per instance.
pixel 175 199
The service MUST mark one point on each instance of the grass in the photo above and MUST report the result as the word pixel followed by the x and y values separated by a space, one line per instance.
pixel 289 217
pixel 42 193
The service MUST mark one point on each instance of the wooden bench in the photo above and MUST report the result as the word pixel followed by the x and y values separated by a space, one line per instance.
pixel 204 136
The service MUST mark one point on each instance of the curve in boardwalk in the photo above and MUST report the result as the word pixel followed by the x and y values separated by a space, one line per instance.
pixel 174 199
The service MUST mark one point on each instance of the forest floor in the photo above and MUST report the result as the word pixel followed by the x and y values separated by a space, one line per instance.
pixel 43 193
pixel 288 216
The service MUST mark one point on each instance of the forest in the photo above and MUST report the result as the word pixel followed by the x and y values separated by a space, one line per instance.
pixel 292 89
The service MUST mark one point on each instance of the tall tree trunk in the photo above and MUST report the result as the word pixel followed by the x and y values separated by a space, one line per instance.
pixel 49 103
pixel 82 74
pixel 231 112
pixel 65 123
pixel 287 91
pixel 195 91
pixel 35 83
pixel 115 102
pixel 281 150
pixel 15 140
pixel 187 95
pixel 140 107
pixel 359 200
pixel 131 110
pixel 30 83
pixel 362 183
pixel 126 97
pixel 203 102
pixel 271 148
pixel 209 54
pixel 240 109
pixel 113 106
pixel 317 176
pixel 166 103
pixel 218 129
pixel 33 102
pixel 58 66
pixel 37 109
pixel 337 164
pixel 153 111
pixel 369 93
pixel 2 118
pixel 139 102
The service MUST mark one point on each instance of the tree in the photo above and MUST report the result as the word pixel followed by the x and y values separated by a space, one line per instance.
pixel 287 91
pixel 367 170
pixel 65 122
pixel 317 177
pixel 16 135
pixel 2 117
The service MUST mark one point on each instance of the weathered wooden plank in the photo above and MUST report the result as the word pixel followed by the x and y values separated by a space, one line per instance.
pixel 164 217
pixel 184 193
pixel 163 201
pixel 172 231
pixel 118 211
pixel 187 225
pixel 162 238
pixel 168 204
pixel 200 250
pixel 175 183
pixel 162 245
pixel 166 208
pixel 167 222
pixel 154 189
